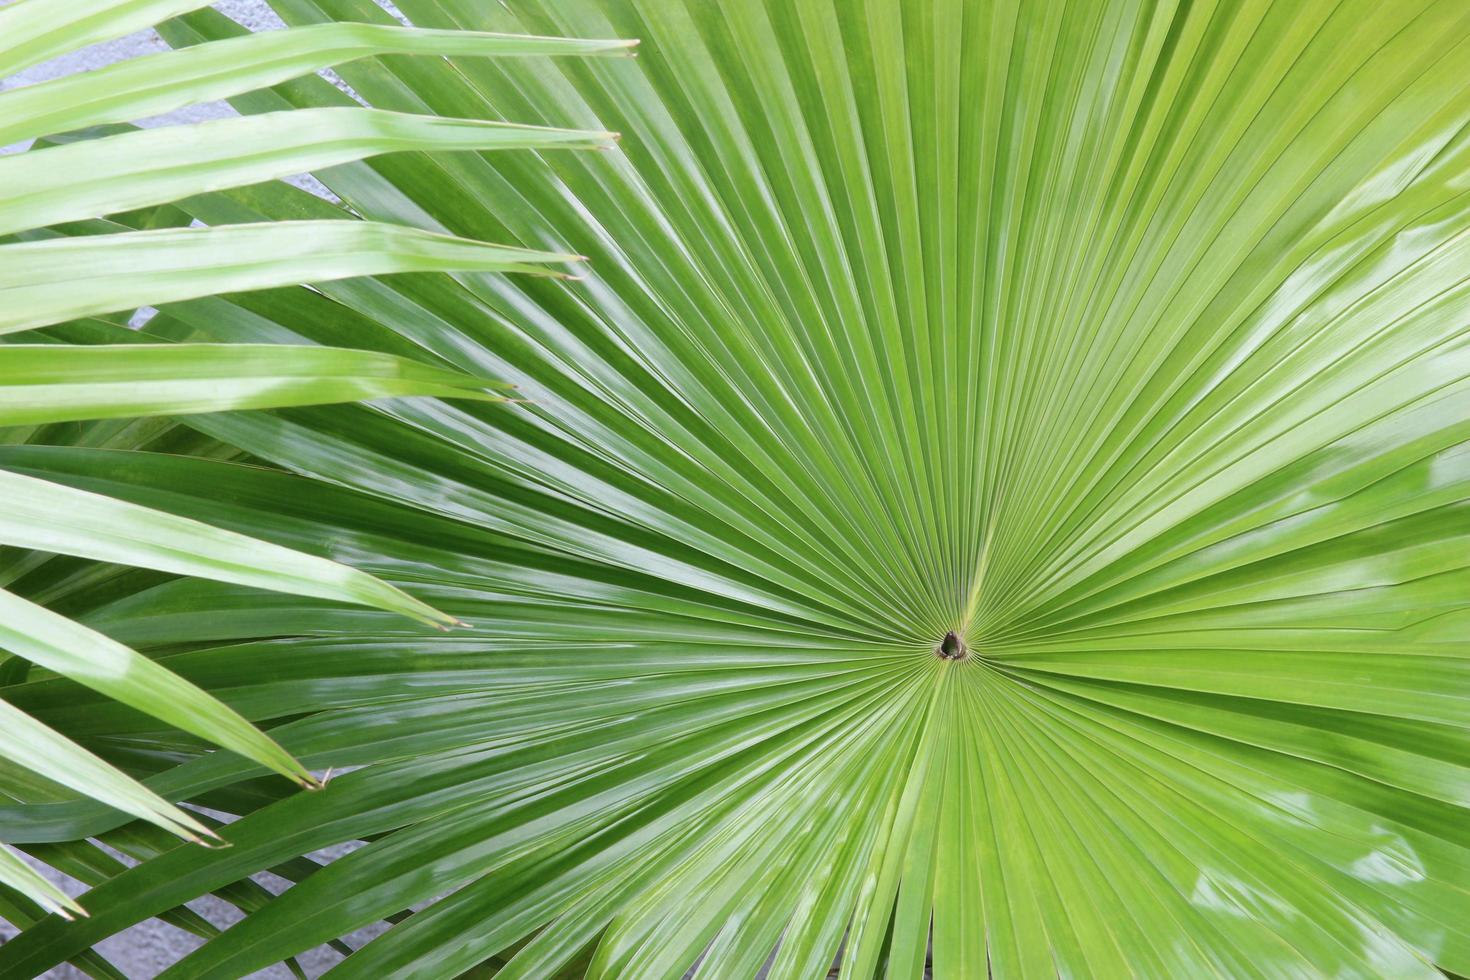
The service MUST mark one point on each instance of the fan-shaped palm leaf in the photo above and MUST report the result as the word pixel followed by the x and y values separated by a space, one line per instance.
pixel 1002 488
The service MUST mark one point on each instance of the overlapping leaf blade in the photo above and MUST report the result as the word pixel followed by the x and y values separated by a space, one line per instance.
pixel 141 87
pixel 50 278
pixel 64 383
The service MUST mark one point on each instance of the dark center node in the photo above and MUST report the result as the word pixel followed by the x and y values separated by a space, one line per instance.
pixel 951 647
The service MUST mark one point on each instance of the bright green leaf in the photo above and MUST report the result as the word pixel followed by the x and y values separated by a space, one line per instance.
pixel 57 383
pixel 47 517
pixel 50 281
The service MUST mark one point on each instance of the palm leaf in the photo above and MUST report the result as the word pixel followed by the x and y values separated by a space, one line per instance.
pixel 1000 489
pixel 16 874
pixel 62 383
pixel 49 277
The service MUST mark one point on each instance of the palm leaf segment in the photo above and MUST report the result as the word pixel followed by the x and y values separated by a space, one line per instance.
pixel 1124 342
pixel 47 276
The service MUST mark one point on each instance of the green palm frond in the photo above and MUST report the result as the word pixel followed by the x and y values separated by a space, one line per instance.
pixel 48 276
pixel 998 495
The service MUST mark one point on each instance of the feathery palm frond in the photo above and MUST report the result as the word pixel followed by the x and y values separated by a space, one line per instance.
pixel 48 276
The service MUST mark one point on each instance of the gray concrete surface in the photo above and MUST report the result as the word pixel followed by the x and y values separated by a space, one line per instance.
pixel 145 950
